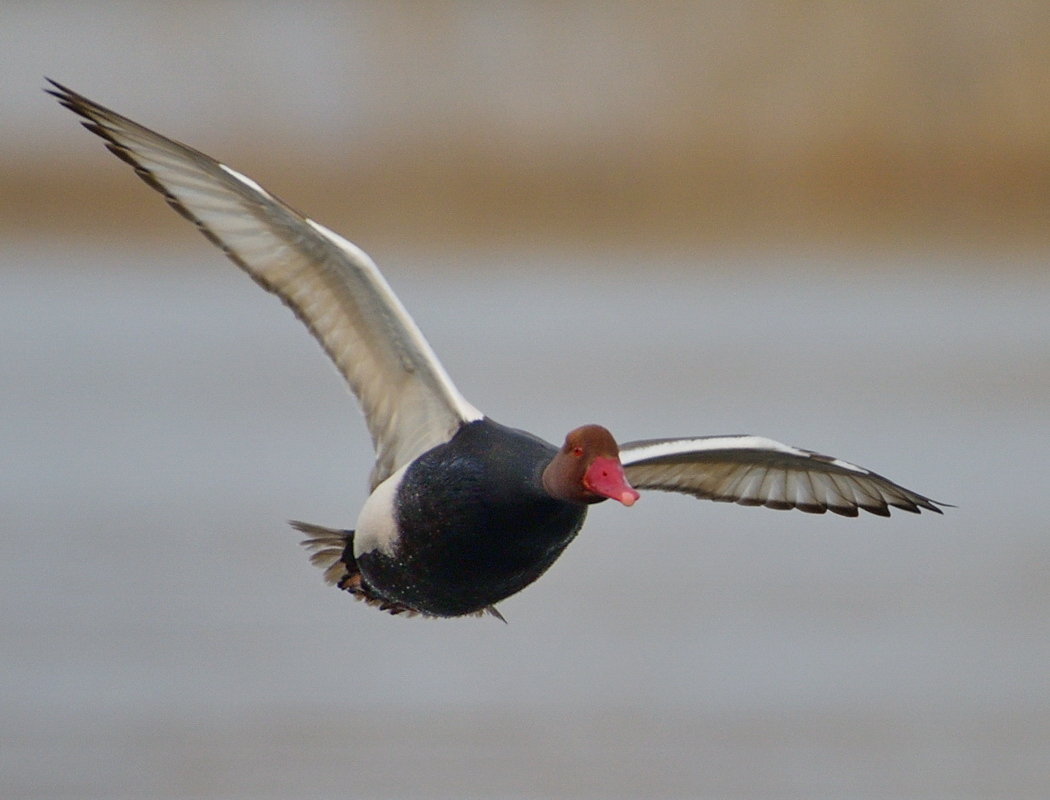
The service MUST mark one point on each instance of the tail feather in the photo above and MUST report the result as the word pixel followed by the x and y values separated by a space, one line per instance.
pixel 333 551
pixel 328 549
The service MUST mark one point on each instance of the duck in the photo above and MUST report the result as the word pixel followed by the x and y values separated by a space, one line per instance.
pixel 462 511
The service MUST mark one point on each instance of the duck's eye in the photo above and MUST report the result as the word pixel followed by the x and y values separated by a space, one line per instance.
pixel 577 451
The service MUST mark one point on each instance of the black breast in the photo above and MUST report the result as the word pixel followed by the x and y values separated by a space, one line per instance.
pixel 476 524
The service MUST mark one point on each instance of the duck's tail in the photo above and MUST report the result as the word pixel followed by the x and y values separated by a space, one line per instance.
pixel 333 551
pixel 329 549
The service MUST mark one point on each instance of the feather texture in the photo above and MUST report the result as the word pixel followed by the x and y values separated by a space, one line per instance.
pixel 754 471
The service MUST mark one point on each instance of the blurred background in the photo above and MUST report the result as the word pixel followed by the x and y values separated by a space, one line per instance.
pixel 823 223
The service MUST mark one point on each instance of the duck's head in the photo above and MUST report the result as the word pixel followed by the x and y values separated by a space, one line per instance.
pixel 587 469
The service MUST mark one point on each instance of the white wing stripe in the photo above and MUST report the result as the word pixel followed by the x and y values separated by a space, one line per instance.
pixel 392 310
pixel 247 181
pixel 647 450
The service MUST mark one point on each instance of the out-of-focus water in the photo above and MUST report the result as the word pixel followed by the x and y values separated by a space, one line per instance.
pixel 162 634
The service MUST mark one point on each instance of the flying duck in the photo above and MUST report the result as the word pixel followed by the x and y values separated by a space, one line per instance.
pixel 463 511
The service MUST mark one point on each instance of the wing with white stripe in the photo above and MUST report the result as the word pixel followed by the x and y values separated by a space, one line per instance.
pixel 409 402
pixel 754 471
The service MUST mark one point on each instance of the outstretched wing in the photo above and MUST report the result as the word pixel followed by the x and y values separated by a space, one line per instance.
pixel 409 402
pixel 754 471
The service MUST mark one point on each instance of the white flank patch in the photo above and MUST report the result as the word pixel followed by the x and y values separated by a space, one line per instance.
pixel 376 527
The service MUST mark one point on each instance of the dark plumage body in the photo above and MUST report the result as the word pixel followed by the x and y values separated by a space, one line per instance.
pixel 475 523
